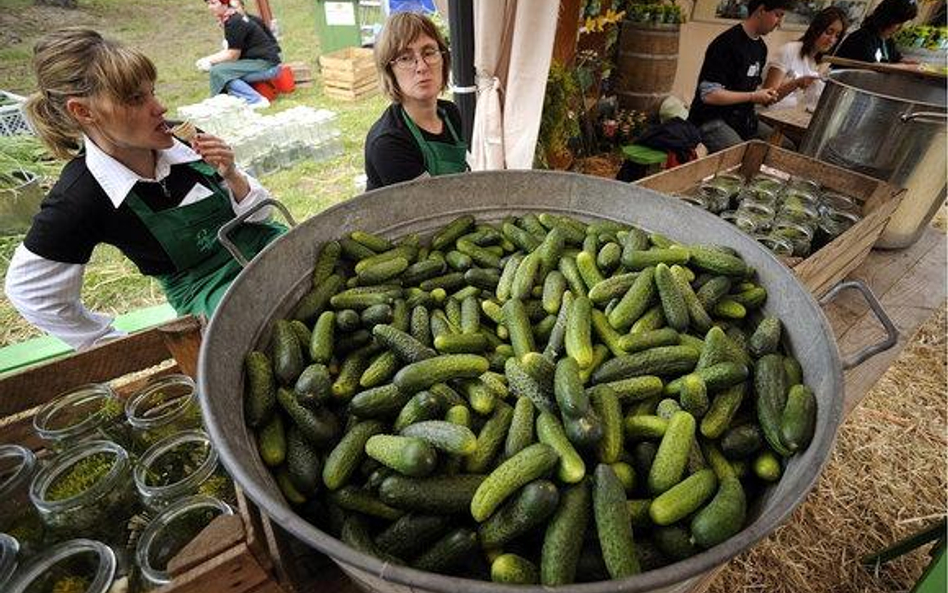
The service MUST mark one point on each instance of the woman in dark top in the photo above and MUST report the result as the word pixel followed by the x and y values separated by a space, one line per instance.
pixel 131 184
pixel 418 134
pixel 872 42
pixel 251 53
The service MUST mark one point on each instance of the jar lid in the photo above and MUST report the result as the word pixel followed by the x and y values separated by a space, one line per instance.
pixel 9 552
pixel 17 466
pixel 161 401
pixel 49 490
pixel 170 531
pixel 95 560
pixel 77 412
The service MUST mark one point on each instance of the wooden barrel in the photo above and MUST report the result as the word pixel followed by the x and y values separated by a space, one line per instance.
pixel 646 65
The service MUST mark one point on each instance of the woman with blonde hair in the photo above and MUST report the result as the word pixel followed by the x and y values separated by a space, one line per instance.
pixel 131 184
pixel 418 134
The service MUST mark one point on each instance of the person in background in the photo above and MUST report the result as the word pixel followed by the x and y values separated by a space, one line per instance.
pixel 251 53
pixel 872 42
pixel 730 77
pixel 418 134
pixel 794 71
pixel 130 184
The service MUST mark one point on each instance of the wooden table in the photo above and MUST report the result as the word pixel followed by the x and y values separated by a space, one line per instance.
pixel 910 284
pixel 791 122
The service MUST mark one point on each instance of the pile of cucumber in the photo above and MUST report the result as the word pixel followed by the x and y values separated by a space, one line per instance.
pixel 535 401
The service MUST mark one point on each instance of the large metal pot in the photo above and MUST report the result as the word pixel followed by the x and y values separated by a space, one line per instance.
pixel 278 277
pixel 891 127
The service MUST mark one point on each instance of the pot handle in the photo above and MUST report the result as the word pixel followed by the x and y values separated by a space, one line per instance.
pixel 223 234
pixel 924 117
pixel 892 334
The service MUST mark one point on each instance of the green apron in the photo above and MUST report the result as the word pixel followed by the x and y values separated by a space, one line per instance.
pixel 188 234
pixel 440 158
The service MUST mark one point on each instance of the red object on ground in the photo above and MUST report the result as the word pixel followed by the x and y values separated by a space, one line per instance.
pixel 283 81
pixel 265 88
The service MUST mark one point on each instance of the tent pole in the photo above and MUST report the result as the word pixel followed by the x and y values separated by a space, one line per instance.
pixel 461 24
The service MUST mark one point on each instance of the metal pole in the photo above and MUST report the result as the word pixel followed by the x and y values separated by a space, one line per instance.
pixel 461 24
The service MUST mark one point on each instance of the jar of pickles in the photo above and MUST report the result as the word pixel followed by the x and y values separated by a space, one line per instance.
pixel 86 490
pixel 777 245
pixel 162 408
pixel 9 558
pixel 18 517
pixel 696 199
pixel 77 565
pixel 92 411
pixel 799 235
pixel 765 183
pixel 170 531
pixel 838 202
pixel 728 182
pixel 834 223
pixel 717 199
pixel 178 466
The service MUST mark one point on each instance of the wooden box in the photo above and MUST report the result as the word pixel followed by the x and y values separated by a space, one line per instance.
pixel 349 74
pixel 826 267
pixel 231 554
pixel 302 73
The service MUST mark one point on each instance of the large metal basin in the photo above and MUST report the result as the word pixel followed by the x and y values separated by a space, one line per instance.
pixel 275 280
pixel 891 127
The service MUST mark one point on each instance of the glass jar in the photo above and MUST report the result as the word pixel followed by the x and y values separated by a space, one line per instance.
pixel 92 411
pixel 9 558
pixel 162 408
pixel 839 202
pixel 169 532
pixel 835 223
pixel 729 182
pixel 799 235
pixel 766 183
pixel 80 565
pixel 86 490
pixel 779 246
pixel 717 199
pixel 697 200
pixel 803 185
pixel 18 517
pixel 179 466
pixel 761 214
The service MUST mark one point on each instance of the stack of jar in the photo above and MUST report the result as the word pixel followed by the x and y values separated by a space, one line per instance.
pixel 110 471
pixel 264 144
pixel 792 218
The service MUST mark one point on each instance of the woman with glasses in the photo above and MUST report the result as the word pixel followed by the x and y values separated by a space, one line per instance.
pixel 418 134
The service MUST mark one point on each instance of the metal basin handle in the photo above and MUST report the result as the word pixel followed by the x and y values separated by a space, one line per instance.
pixel 925 117
pixel 892 334
pixel 223 234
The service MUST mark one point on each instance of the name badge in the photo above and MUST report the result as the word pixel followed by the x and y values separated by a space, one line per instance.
pixel 879 55
pixel 754 69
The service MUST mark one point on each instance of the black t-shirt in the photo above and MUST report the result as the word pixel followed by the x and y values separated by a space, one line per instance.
pixel 391 153
pixel 250 35
pixel 866 46
pixel 77 215
pixel 736 62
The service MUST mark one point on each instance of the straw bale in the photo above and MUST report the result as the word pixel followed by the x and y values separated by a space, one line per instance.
pixel 885 481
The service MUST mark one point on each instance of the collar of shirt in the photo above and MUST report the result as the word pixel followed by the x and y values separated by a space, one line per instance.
pixel 117 180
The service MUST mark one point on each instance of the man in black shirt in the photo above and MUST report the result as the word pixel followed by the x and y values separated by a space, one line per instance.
pixel 723 107
pixel 251 53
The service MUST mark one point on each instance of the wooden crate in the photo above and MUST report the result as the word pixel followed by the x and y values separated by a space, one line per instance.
pixel 231 554
pixel 349 73
pixel 826 267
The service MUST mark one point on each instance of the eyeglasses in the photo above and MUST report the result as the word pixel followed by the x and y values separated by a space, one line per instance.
pixel 430 55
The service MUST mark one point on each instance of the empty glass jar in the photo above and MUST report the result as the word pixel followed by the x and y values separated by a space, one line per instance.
pixel 162 408
pixel 18 517
pixel 86 490
pixel 76 565
pixel 169 532
pixel 179 466
pixel 92 411
pixel 9 558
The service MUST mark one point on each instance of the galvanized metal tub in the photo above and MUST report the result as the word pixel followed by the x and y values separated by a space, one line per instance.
pixel 278 277
pixel 888 126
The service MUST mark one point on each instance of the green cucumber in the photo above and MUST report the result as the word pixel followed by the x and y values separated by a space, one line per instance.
pixel 260 394
pixel 683 498
pixel 409 456
pixel 613 524
pixel 514 569
pixel 635 301
pixel 425 373
pixel 531 507
pixel 526 466
pixel 445 436
pixel 441 495
pixel 798 420
pixel 551 432
pixel 673 303
pixel 568 388
pixel 672 457
pixel 578 339
pixel 349 453
pixel 563 540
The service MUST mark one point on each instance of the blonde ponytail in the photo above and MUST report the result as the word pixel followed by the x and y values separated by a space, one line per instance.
pixel 75 62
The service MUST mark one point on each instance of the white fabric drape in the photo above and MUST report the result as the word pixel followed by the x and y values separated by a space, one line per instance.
pixel 513 44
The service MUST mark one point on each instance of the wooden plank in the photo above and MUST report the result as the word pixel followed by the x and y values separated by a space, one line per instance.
pixel 363 87
pixel 796 119
pixel 350 75
pixel 690 174
pixel 234 571
pixel 37 385
pixel 182 339
pixel 224 532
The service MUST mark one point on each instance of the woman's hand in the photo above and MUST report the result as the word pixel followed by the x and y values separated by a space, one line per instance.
pixel 220 155
pixel 764 96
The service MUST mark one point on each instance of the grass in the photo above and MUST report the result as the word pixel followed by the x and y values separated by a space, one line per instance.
pixel 174 33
